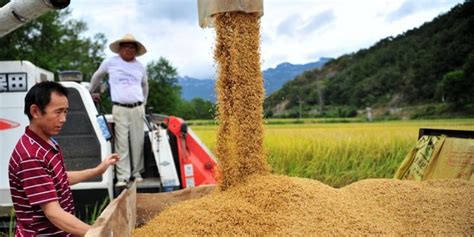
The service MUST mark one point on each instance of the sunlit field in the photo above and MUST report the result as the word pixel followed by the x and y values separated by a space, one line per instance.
pixel 338 153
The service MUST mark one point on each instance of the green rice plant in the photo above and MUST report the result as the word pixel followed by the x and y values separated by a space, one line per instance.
pixel 11 225
pixel 340 153
pixel 10 231
pixel 96 211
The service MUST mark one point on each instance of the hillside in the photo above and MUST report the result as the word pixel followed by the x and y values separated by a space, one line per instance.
pixel 431 67
pixel 274 78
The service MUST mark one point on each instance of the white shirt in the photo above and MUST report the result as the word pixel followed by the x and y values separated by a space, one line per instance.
pixel 127 80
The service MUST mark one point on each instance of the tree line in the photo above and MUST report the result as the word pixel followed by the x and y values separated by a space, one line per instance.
pixel 55 42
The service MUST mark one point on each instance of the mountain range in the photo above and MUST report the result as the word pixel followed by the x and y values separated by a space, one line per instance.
pixel 274 79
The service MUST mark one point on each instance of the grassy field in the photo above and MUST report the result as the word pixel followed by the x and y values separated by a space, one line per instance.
pixel 338 153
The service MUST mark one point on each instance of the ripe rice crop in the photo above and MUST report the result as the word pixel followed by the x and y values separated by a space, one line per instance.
pixel 338 154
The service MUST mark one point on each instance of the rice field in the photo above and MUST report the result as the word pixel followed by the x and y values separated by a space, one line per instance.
pixel 338 153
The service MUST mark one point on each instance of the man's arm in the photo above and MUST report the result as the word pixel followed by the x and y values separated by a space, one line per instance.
pixel 64 220
pixel 145 88
pixel 96 80
pixel 79 176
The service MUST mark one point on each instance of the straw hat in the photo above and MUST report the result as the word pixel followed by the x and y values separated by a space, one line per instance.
pixel 128 38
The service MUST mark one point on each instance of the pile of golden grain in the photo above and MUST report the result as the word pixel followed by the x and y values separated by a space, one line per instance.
pixel 280 205
pixel 250 201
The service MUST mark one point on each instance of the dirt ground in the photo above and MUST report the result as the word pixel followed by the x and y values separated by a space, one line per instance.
pixel 281 205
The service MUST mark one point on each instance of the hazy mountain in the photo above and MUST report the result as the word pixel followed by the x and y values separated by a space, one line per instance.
pixel 274 78
pixel 193 87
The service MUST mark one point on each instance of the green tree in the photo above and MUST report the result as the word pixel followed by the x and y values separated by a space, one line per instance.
pixel 469 69
pixel 164 92
pixel 185 110
pixel 197 108
pixel 202 109
pixel 456 87
pixel 54 43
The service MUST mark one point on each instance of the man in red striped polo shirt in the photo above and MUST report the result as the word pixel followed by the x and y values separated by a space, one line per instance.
pixel 39 183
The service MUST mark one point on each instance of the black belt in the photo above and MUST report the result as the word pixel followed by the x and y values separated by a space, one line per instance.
pixel 128 105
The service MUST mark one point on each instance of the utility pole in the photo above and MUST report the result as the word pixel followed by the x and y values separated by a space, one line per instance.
pixel 299 103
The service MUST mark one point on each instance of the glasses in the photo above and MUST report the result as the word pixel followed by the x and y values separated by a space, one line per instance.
pixel 128 46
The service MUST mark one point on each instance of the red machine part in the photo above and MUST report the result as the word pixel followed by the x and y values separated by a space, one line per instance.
pixel 7 124
pixel 197 166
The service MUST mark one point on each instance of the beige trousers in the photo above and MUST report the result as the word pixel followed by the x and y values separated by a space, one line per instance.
pixel 129 139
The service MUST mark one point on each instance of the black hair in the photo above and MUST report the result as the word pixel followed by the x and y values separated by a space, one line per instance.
pixel 40 95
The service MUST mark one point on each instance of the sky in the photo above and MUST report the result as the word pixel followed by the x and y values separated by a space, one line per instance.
pixel 294 31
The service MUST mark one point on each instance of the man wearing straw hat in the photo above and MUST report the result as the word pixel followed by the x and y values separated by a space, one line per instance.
pixel 129 91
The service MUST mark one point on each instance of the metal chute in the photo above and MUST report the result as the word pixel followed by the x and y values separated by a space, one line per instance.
pixel 17 12
pixel 207 9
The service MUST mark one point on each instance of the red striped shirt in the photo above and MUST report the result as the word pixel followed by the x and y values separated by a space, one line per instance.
pixel 37 175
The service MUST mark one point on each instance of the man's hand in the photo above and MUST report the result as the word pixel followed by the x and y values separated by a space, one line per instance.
pixel 79 176
pixel 95 97
pixel 112 159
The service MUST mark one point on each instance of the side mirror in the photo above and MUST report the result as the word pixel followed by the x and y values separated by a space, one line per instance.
pixel 102 121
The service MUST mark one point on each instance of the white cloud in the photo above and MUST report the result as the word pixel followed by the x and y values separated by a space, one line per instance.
pixel 295 31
